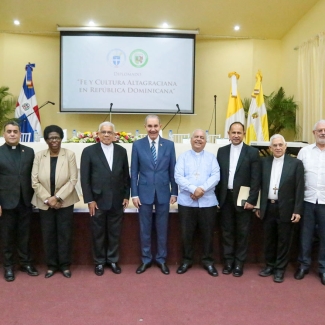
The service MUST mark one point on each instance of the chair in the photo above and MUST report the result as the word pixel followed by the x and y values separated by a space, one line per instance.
pixel 178 138
pixel 25 137
pixel 213 137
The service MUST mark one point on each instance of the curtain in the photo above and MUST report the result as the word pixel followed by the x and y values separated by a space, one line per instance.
pixel 311 62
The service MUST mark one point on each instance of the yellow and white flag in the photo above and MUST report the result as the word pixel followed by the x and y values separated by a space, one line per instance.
pixel 235 111
pixel 257 124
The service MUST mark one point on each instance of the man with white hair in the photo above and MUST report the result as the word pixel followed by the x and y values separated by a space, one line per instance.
pixel 282 192
pixel 105 182
pixel 197 173
pixel 313 158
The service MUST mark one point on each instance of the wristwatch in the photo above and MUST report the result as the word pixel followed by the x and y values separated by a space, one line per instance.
pixel 59 199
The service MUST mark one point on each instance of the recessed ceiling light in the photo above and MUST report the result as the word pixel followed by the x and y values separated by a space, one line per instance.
pixel 91 23
pixel 237 27
pixel 165 25
pixel 16 22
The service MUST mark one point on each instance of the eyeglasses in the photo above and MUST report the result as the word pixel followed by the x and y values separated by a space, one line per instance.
pixel 107 132
pixel 54 139
pixel 320 130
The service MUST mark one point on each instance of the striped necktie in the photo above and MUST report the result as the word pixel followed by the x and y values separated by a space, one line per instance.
pixel 153 151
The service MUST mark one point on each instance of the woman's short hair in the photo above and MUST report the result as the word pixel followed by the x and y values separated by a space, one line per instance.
pixel 52 128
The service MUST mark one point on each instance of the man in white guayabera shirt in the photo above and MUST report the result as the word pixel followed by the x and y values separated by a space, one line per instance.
pixel 197 173
pixel 313 158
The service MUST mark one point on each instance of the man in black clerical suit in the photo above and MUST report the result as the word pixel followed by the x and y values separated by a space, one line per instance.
pixel 16 193
pixel 239 166
pixel 105 182
pixel 282 199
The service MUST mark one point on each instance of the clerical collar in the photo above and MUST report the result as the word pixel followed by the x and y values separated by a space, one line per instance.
pixel 279 159
pixel 12 147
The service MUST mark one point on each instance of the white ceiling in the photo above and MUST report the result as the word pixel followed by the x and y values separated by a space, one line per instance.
pixel 265 19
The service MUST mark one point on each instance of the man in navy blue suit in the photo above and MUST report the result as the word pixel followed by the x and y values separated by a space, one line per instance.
pixel 153 184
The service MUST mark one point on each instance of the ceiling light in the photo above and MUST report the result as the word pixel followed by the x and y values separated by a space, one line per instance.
pixel 91 23
pixel 237 27
pixel 165 25
pixel 16 22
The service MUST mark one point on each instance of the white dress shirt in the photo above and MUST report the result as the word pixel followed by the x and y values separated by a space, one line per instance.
pixel 233 160
pixel 276 171
pixel 314 164
pixel 108 152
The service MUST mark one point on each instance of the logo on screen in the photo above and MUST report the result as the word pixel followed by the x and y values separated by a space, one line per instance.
pixel 138 58
pixel 116 58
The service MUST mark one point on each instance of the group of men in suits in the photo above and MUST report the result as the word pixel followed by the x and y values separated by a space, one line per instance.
pixel 106 187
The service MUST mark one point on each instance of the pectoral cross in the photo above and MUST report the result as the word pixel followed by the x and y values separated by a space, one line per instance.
pixel 275 189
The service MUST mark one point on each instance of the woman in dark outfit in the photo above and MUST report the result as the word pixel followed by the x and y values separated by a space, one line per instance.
pixel 54 177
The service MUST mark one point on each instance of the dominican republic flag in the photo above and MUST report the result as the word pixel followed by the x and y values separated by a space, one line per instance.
pixel 27 108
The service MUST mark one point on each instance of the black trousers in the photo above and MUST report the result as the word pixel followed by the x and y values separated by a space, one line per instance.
pixel 235 227
pixel 57 228
pixel 204 218
pixel 277 238
pixel 106 226
pixel 15 231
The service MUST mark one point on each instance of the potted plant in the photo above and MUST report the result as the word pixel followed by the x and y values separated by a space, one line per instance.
pixel 7 106
pixel 281 112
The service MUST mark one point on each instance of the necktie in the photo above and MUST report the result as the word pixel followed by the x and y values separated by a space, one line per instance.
pixel 153 151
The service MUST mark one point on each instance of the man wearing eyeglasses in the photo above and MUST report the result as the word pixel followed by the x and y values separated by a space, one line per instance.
pixel 313 158
pixel 16 193
pixel 105 182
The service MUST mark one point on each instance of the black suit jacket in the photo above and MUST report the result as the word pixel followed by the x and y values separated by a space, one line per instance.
pixel 15 179
pixel 101 184
pixel 291 188
pixel 247 174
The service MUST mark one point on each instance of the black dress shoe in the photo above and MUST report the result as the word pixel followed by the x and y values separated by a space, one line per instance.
pixel 227 269
pixel 66 273
pixel 300 274
pixel 238 271
pixel 115 268
pixel 322 278
pixel 267 271
pixel 278 276
pixel 99 269
pixel 164 268
pixel 142 268
pixel 211 270
pixel 183 268
pixel 49 273
pixel 29 269
pixel 9 274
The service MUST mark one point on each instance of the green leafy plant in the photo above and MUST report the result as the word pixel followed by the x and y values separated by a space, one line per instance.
pixel 281 112
pixel 7 106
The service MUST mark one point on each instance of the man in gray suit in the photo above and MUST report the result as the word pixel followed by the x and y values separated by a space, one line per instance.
pixel 16 193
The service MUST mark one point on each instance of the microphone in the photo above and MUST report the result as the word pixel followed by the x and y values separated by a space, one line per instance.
pixel 178 111
pixel 39 107
pixel 51 103
pixel 215 98
pixel 109 113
